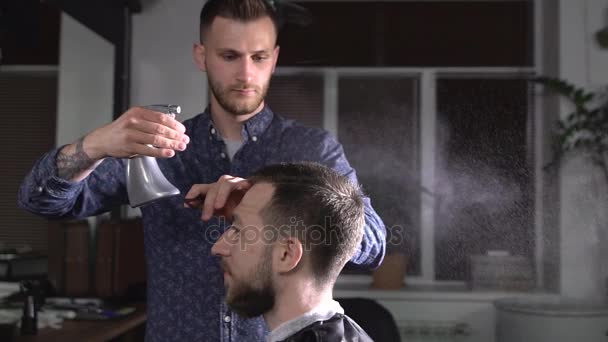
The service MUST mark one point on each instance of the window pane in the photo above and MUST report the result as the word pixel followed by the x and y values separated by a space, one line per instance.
pixel 378 125
pixel 484 173
pixel 298 97
pixel 411 33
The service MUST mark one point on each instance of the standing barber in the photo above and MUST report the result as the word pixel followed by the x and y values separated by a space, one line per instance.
pixel 237 135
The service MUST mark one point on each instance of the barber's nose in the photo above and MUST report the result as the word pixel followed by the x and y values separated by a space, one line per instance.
pixel 245 73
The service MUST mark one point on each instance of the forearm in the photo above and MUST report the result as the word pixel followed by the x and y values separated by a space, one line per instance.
pixel 44 193
pixel 73 163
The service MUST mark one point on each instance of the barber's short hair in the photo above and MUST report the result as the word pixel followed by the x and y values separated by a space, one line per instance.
pixel 241 10
pixel 321 208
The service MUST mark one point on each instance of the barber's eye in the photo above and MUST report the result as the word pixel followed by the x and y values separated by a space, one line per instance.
pixel 229 57
pixel 259 58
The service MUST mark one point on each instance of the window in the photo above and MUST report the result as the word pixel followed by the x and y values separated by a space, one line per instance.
pixel 431 103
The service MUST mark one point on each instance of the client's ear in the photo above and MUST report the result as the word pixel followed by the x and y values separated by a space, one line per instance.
pixel 288 254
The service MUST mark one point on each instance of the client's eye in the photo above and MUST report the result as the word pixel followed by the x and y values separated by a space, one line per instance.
pixel 234 229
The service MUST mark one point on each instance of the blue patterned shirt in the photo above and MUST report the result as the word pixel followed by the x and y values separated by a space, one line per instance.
pixel 185 283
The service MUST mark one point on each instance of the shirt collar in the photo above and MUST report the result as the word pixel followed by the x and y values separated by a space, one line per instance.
pixel 322 312
pixel 254 127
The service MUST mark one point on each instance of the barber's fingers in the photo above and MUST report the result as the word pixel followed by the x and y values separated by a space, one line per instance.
pixel 140 138
pixel 145 150
pixel 196 195
pixel 209 203
pixel 206 193
pixel 159 118
pixel 229 186
pixel 154 128
pixel 217 198
pixel 202 195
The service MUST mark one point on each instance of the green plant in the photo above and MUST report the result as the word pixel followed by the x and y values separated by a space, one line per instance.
pixel 586 128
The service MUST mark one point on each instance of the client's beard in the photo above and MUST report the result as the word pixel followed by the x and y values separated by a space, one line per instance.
pixel 256 295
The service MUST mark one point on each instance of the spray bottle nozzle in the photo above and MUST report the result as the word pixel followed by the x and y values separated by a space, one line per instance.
pixel 165 108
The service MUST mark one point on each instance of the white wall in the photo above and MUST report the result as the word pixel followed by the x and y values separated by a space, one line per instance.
pixel 162 69
pixel 584 225
pixel 86 81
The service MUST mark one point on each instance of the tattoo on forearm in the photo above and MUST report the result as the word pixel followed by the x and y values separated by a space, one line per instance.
pixel 69 165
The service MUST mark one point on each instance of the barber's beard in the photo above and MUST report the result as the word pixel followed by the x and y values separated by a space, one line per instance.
pixel 231 102
pixel 254 295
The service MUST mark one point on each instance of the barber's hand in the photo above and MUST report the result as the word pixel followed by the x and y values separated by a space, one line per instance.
pixel 219 198
pixel 133 131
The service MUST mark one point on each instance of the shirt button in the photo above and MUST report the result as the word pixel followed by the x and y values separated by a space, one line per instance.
pixel 213 131
pixel 223 155
pixel 39 189
pixel 254 138
pixel 227 319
